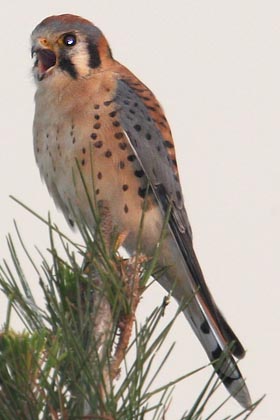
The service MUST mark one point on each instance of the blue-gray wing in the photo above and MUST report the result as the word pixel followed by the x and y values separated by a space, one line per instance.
pixel 154 150
pixel 146 128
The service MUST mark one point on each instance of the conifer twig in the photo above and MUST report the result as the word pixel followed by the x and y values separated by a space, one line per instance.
pixel 102 321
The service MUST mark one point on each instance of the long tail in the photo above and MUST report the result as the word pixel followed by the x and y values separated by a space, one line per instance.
pixel 185 278
pixel 224 364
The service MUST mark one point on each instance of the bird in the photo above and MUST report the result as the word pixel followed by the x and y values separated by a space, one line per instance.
pixel 100 135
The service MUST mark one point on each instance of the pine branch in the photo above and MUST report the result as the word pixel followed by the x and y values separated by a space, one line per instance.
pixel 67 361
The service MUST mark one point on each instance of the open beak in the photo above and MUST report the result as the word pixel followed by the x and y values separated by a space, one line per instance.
pixel 44 61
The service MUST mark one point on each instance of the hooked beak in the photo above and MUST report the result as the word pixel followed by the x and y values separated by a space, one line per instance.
pixel 45 60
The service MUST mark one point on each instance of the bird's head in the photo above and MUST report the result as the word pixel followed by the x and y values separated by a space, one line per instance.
pixel 68 45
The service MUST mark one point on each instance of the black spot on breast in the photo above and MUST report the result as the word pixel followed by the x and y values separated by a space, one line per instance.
pixel 119 135
pixel 96 106
pixel 112 114
pixel 122 146
pixel 107 103
pixel 93 136
pixel 97 191
pixel 131 158
pixel 137 127
pixel 74 140
pixel 99 175
pixel 116 123
pixel 148 136
pixel 83 162
pixel 108 153
pixel 96 116
pixel 98 144
pixel 97 126
pixel 84 150
pixel 125 208
pixel 125 187
pixel 94 57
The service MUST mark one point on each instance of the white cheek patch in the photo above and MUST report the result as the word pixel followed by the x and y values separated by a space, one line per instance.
pixel 80 59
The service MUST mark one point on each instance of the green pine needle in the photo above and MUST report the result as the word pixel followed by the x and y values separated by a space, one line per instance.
pixel 54 368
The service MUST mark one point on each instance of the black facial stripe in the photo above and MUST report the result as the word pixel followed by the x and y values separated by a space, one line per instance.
pixel 66 65
pixel 94 57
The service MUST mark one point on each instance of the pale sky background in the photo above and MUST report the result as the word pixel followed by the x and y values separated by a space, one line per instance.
pixel 215 67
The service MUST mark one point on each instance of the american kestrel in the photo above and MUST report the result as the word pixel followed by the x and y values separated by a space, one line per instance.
pixel 96 123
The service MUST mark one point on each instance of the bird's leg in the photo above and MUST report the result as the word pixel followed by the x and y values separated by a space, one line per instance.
pixel 131 270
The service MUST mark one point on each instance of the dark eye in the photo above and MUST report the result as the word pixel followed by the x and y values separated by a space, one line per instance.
pixel 69 40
